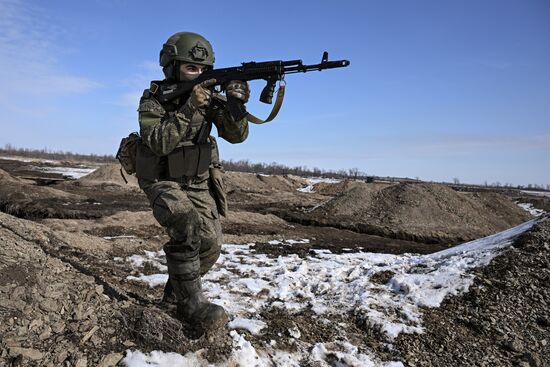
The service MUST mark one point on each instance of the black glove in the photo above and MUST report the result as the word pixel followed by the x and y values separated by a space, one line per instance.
pixel 239 90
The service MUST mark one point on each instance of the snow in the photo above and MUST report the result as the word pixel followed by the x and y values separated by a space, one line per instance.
pixel 348 357
pixel 331 284
pixel 154 258
pixel 536 193
pixel 72 172
pixel 243 354
pixel 312 181
pixel 253 326
pixel 26 159
pixel 288 242
pixel 316 180
pixel 531 209
pixel 152 280
pixel 156 358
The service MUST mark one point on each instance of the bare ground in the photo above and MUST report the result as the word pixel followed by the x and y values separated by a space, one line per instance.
pixel 64 301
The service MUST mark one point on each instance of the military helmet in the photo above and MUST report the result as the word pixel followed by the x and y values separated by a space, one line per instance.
pixel 186 47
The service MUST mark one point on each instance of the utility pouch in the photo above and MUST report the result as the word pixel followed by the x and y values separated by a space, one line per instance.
pixel 127 152
pixel 189 160
pixel 218 189
pixel 148 165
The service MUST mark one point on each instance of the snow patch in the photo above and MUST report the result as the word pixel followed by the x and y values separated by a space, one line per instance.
pixel 71 172
pixel 536 193
pixel 161 359
pixel 288 242
pixel 153 280
pixel 244 281
pixel 531 209
pixel 253 326
pixel 312 181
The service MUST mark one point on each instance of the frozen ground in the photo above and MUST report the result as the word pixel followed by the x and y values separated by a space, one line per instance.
pixel 328 284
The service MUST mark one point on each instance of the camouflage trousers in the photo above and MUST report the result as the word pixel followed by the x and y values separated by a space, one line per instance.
pixel 192 222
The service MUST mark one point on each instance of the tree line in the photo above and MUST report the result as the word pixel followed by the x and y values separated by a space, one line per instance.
pixel 245 165
pixel 46 153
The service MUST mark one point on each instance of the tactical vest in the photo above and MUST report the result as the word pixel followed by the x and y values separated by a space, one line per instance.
pixel 189 160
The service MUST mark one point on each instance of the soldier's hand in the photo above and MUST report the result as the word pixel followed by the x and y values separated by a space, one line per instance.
pixel 201 95
pixel 238 89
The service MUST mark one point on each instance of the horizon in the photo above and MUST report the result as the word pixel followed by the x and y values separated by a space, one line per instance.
pixel 438 91
pixel 347 173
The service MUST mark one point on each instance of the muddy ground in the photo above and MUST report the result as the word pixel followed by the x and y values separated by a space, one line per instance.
pixel 64 301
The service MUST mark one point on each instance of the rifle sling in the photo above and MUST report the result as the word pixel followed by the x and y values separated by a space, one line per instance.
pixel 276 107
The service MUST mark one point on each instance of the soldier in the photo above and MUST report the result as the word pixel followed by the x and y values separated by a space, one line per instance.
pixel 178 168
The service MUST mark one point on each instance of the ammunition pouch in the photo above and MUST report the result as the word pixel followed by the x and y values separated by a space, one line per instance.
pixel 184 161
pixel 189 160
pixel 217 189
pixel 148 164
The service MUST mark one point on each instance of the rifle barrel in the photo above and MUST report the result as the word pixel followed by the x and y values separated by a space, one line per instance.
pixel 321 66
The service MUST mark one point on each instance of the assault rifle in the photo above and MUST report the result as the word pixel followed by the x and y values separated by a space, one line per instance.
pixel 270 71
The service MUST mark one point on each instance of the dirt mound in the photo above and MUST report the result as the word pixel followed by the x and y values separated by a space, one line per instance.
pixel 109 173
pixel 27 200
pixel 251 182
pixel 48 310
pixel 334 189
pixel 122 233
pixel 421 212
pixel 55 312
pixel 6 177
pixel 502 321
pixel 249 218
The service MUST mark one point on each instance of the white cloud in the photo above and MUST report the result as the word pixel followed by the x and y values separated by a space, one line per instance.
pixel 29 66
pixel 137 82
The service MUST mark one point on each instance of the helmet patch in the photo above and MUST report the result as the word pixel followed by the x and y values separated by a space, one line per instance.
pixel 199 52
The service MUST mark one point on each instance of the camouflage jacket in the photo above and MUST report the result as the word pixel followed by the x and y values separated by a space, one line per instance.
pixel 164 128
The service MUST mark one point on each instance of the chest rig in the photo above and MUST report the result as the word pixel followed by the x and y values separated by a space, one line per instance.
pixel 193 154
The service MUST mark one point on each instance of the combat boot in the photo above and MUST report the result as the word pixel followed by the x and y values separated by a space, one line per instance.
pixel 194 308
pixel 168 296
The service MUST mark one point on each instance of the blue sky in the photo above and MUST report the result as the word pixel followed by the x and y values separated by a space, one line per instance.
pixel 436 89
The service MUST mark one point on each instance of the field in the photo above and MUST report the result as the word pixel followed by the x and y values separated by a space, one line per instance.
pixel 313 273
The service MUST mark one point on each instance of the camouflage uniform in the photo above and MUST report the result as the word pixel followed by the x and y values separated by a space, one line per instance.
pixel 177 165
pixel 173 200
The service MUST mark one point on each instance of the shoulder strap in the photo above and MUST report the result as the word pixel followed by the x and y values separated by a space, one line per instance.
pixel 276 107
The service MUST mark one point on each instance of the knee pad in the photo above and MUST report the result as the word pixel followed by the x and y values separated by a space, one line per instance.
pixel 184 227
